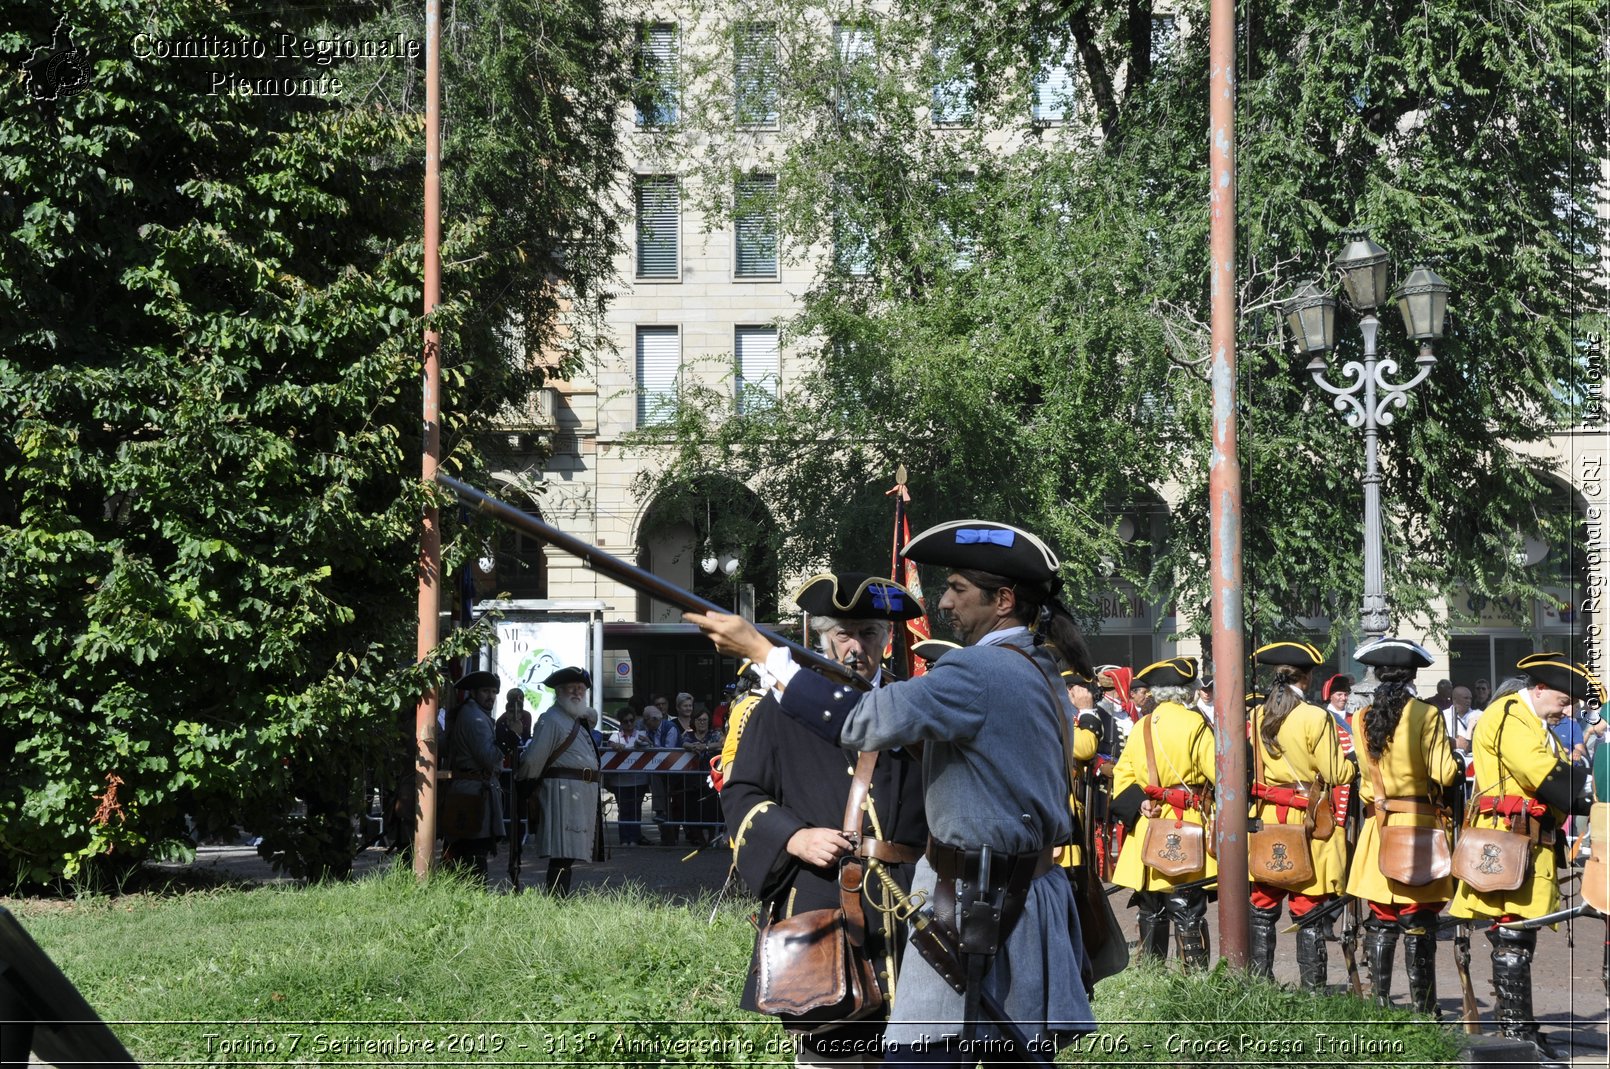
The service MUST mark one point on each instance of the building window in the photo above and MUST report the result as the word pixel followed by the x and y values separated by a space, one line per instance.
pixel 519 567
pixel 659 360
pixel 1165 31
pixel 1054 90
pixel 755 78
pixel 955 201
pixel 954 87
pixel 857 76
pixel 852 243
pixel 758 372
pixel 755 227
pixel 658 74
pixel 659 211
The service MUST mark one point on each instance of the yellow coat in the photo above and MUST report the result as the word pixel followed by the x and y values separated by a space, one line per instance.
pixel 1309 750
pixel 1084 749
pixel 1184 741
pixel 1417 763
pixel 1530 753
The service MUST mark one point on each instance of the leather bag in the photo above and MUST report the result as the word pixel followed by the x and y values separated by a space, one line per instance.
pixel 459 816
pixel 1173 846
pixel 1492 859
pixel 813 967
pixel 1408 854
pixel 1278 853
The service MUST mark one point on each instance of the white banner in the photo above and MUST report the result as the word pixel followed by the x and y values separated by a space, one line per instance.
pixel 528 651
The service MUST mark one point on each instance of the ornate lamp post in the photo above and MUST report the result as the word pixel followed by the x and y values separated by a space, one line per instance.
pixel 1368 395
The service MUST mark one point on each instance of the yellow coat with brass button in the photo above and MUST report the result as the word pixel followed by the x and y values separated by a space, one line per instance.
pixel 1309 749
pixel 1417 763
pixel 1529 753
pixel 1184 741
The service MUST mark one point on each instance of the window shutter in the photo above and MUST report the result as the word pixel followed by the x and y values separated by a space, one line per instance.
pixel 755 90
pixel 659 359
pixel 1054 88
pixel 756 227
pixel 659 210
pixel 660 72
pixel 759 369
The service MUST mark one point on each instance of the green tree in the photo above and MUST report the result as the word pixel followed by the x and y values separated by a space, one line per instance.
pixel 1016 308
pixel 208 359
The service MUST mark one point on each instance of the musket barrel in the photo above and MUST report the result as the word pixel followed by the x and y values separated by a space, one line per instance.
pixel 630 574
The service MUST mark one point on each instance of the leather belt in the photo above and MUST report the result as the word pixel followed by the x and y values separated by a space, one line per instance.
pixel 1406 805
pixel 585 775
pixel 887 852
pixel 951 862
pixel 449 773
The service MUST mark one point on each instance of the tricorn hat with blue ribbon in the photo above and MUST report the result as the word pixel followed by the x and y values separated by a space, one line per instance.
pixel 856 596
pixel 985 546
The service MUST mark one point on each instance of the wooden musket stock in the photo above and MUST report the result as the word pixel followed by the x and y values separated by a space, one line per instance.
pixel 633 576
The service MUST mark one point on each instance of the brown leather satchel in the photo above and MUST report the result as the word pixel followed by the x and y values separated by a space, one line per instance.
pixel 1413 855
pixel 459 816
pixel 1492 859
pixel 1174 847
pixel 813 967
pixel 1278 853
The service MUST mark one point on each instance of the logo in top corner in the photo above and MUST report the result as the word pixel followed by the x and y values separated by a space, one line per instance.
pixel 58 69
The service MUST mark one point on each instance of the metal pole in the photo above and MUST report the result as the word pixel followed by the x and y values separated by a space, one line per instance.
pixel 1372 612
pixel 430 541
pixel 1224 491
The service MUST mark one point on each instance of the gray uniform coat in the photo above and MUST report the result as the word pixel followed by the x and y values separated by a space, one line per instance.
pixel 475 760
pixel 569 807
pixel 993 764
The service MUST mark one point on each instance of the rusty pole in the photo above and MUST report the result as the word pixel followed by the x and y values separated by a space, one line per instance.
pixel 1224 490
pixel 430 541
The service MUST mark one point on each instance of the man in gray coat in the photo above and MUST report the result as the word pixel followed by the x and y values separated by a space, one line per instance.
pixel 992 723
pixel 470 751
pixel 561 766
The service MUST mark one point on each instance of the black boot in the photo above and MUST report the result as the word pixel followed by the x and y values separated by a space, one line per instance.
pixel 1420 959
pixel 1261 941
pixel 1188 911
pixel 1380 946
pixel 1512 986
pixel 1153 925
pixel 1311 958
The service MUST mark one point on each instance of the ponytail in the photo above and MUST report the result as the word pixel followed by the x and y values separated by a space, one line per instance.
pixel 1381 718
pixel 1281 701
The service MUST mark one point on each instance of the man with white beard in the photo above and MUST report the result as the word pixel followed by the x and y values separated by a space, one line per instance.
pixel 561 767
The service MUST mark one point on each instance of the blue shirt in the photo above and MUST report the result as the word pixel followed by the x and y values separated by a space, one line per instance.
pixel 1569 732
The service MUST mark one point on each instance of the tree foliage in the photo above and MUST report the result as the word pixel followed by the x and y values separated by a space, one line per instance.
pixel 1017 310
pixel 209 505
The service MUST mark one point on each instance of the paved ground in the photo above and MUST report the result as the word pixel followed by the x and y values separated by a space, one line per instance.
pixel 1569 998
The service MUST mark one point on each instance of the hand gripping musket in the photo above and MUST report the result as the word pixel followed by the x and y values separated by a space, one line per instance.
pixel 941 949
pixel 637 578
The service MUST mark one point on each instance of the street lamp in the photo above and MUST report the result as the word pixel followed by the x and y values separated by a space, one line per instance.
pixel 1311 317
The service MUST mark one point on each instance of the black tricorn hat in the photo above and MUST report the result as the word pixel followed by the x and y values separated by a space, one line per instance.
pixel 1290 654
pixel 1553 670
pixel 479 681
pixel 1174 672
pixel 931 649
pixel 985 546
pixel 1394 653
pixel 568 675
pixel 856 596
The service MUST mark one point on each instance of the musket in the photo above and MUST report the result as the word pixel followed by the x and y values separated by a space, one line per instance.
pixel 638 579
pixel 1470 1014
pixel 1355 812
pixel 1206 883
pixel 1553 918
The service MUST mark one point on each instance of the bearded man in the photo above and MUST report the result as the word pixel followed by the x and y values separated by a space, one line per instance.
pixel 560 768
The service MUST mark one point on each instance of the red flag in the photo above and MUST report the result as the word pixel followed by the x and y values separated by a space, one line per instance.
pixel 905 573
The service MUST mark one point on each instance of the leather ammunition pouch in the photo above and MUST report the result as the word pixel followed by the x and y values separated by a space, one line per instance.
pixel 991 888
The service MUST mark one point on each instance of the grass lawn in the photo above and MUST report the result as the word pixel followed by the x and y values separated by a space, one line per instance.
pixel 383 971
